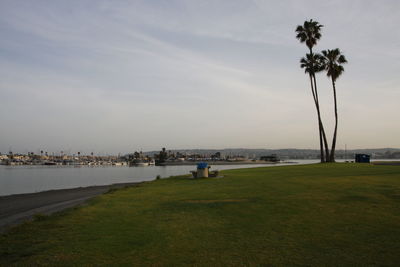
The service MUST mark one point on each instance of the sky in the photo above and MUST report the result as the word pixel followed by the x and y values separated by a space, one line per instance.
pixel 118 76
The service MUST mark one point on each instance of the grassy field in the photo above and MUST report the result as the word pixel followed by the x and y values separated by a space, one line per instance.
pixel 315 215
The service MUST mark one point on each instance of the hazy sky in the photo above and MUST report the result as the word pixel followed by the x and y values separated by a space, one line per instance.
pixel 118 76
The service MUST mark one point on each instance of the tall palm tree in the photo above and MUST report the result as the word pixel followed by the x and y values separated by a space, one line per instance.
pixel 312 64
pixel 333 61
pixel 310 33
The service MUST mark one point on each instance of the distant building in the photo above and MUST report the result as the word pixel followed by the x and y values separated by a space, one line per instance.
pixel 362 158
pixel 271 158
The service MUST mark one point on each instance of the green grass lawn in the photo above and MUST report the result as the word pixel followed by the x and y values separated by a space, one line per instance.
pixel 318 215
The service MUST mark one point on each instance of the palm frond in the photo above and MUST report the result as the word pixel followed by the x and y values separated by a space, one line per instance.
pixel 309 32
pixel 333 63
pixel 312 63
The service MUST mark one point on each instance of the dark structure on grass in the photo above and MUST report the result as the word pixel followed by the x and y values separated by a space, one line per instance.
pixel 271 158
pixel 362 158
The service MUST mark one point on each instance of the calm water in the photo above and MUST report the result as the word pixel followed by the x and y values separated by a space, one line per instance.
pixel 30 179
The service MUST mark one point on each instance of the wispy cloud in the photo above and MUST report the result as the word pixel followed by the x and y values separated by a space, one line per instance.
pixel 145 74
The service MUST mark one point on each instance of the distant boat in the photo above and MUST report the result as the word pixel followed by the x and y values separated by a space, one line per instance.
pixel 138 163
pixel 141 164
pixel 119 164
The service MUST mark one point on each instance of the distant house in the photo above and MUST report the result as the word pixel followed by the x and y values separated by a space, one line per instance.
pixel 362 158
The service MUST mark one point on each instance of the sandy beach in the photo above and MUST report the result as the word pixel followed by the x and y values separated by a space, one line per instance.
pixel 15 209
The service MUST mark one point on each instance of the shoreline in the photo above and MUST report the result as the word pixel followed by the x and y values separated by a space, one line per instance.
pixel 193 163
pixel 148 173
pixel 169 163
pixel 17 208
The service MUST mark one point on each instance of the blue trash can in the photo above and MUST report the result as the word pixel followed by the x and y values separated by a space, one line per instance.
pixel 202 169
pixel 202 165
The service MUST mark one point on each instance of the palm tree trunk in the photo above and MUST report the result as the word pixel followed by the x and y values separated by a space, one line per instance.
pixel 327 158
pixel 332 159
pixel 321 147
pixel 320 125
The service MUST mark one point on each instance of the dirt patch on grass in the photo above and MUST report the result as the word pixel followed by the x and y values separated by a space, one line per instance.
pixel 216 200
